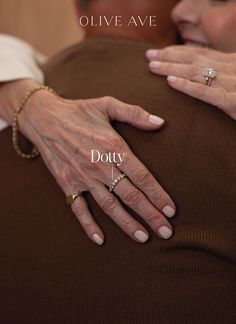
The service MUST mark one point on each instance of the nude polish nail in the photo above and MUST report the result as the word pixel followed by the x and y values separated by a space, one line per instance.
pixel 168 211
pixel 97 239
pixel 151 54
pixel 154 64
pixel 141 236
pixel 165 232
pixel 171 78
pixel 156 120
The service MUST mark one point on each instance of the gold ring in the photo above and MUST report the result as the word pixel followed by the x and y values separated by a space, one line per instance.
pixel 71 198
pixel 116 181
pixel 209 73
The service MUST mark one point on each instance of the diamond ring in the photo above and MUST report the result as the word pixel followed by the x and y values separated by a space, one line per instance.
pixel 209 73
pixel 116 181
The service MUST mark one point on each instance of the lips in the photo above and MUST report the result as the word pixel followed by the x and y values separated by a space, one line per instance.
pixel 193 42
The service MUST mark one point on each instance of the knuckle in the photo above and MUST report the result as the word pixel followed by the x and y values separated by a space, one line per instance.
pixel 155 220
pixel 156 197
pixel 115 143
pixel 79 210
pixel 193 72
pixel 230 57
pixel 107 99
pixel 142 178
pixel 125 224
pixel 201 92
pixel 166 67
pixel 110 141
pixel 135 112
pixel 227 103
pixel 89 167
pixel 167 52
pixel 62 177
pixel 132 198
pixel 108 204
pixel 193 58
pixel 88 227
pixel 110 101
pixel 223 99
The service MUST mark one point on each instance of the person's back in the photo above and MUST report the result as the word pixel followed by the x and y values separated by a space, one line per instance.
pixel 187 279
pixel 194 157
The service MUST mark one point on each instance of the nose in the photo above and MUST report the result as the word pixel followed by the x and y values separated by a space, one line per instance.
pixel 185 12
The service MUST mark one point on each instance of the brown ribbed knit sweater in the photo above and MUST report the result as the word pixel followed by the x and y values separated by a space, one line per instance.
pixel 49 270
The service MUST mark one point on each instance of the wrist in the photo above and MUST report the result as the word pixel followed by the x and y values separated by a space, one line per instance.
pixel 32 119
pixel 11 93
pixel 26 126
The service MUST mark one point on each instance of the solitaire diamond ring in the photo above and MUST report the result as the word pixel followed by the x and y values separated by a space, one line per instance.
pixel 209 73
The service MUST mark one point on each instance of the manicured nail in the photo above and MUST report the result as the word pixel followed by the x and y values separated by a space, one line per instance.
pixel 151 54
pixel 156 120
pixel 168 211
pixel 155 64
pixel 171 78
pixel 141 236
pixel 97 239
pixel 165 232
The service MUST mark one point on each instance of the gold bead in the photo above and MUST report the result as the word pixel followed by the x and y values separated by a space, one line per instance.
pixel 35 152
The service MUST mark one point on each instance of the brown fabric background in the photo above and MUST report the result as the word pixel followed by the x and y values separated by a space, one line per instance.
pixel 49 270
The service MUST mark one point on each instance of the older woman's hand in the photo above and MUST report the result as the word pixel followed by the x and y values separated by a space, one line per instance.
pixel 184 67
pixel 66 131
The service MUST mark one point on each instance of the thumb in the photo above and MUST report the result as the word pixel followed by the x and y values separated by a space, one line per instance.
pixel 133 115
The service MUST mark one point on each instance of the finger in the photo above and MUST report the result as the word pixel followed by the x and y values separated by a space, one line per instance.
pixel 82 213
pixel 187 71
pixel 213 96
pixel 208 52
pixel 137 201
pixel 140 176
pixel 186 54
pixel 134 115
pixel 170 54
pixel 112 207
pixel 192 73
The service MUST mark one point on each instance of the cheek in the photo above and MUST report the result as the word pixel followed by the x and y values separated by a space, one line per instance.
pixel 219 27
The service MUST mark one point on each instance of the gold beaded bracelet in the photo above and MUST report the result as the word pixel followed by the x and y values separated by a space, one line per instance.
pixel 15 126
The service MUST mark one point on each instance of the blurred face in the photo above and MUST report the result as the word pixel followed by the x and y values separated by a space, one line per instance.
pixel 207 23
pixel 163 34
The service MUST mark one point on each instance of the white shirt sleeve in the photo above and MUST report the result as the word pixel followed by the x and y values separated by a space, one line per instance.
pixel 18 60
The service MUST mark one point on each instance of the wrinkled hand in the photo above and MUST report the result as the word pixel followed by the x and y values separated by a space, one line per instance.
pixel 66 131
pixel 184 67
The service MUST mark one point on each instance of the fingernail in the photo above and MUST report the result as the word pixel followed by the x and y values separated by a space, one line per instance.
pixel 165 232
pixel 155 64
pixel 151 54
pixel 171 78
pixel 141 236
pixel 156 120
pixel 97 239
pixel 168 211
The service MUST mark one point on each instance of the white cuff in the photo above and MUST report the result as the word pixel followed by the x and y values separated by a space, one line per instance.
pixel 18 60
pixel 3 124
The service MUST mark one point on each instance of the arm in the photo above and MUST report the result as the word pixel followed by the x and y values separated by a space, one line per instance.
pixel 18 61
pixel 65 131
pixel 184 67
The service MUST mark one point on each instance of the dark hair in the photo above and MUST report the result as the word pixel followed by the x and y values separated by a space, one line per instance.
pixel 84 4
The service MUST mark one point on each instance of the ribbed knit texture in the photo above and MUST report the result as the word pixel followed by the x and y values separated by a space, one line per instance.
pixel 51 272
